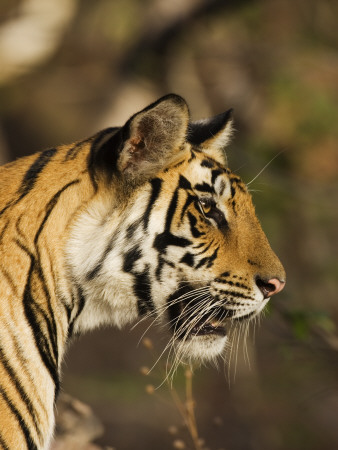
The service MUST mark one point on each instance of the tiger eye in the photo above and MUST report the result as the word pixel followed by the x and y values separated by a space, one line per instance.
pixel 206 208
pixel 207 205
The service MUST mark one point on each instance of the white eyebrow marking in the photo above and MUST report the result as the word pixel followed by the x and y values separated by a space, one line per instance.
pixel 222 187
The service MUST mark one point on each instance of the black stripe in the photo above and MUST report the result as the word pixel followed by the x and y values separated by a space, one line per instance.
pixel 205 187
pixel 175 307
pixel 235 178
pixel 160 265
pixel 4 230
pixel 51 205
pixel 21 354
pixel 92 273
pixel 175 166
pixel 241 187
pixel 235 294
pixel 33 172
pixel 31 176
pixel 4 209
pixel 171 210
pixel 3 443
pixel 207 163
pixel 47 345
pixel 215 173
pixel 156 184
pixel 205 249
pixel 131 229
pixel 188 259
pixel 30 307
pixel 49 319
pixel 81 301
pixel 23 247
pixel 74 151
pixel 142 290
pixel 237 284
pixel 96 270
pixel 253 263
pixel 192 155
pixel 180 163
pixel 67 307
pixel 24 396
pixel 163 240
pixel 225 275
pixel 184 183
pixel 10 280
pixel 208 260
pixel 236 182
pixel 32 310
pixel 193 221
pixel 29 440
pixel 190 199
pixel 17 226
pixel 51 324
pixel 130 257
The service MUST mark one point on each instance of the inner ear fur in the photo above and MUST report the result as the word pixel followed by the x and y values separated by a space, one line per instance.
pixel 144 146
pixel 153 137
pixel 212 135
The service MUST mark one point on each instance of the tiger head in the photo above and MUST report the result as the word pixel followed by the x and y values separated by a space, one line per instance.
pixel 171 232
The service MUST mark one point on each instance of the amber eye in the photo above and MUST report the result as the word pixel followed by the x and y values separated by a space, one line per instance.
pixel 209 210
pixel 206 205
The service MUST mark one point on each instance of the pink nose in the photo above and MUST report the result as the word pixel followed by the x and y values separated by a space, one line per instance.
pixel 271 287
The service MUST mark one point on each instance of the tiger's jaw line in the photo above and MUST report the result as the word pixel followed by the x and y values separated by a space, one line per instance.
pixel 205 342
pixel 200 327
pixel 201 349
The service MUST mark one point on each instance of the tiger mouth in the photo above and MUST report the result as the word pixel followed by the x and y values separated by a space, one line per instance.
pixel 211 324
pixel 207 328
pixel 187 324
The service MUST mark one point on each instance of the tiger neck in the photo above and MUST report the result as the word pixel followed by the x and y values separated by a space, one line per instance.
pixel 37 302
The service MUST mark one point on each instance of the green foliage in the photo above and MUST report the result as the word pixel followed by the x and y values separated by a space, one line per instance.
pixel 303 323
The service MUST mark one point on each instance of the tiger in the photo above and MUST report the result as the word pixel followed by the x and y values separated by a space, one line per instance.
pixel 141 220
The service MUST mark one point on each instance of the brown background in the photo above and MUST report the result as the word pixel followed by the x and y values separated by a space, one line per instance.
pixel 69 68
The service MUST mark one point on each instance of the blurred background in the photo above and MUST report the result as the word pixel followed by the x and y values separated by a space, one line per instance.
pixel 69 68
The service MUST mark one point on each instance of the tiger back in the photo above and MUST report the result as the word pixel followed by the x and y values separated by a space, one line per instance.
pixel 140 220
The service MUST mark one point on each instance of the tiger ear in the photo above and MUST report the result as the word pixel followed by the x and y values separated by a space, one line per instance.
pixel 212 135
pixel 148 141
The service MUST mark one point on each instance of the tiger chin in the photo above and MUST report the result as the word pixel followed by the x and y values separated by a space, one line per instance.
pixel 140 220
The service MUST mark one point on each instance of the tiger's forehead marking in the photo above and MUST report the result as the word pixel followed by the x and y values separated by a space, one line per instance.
pixel 207 177
pixel 213 177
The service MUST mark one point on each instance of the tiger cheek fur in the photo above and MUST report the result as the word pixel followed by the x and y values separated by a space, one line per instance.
pixel 141 220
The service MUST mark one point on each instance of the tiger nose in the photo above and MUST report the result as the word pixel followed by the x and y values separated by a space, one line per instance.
pixel 271 287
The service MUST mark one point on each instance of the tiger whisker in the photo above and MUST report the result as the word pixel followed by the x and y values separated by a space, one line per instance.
pixel 198 304
pixel 266 165
pixel 171 341
pixel 160 310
